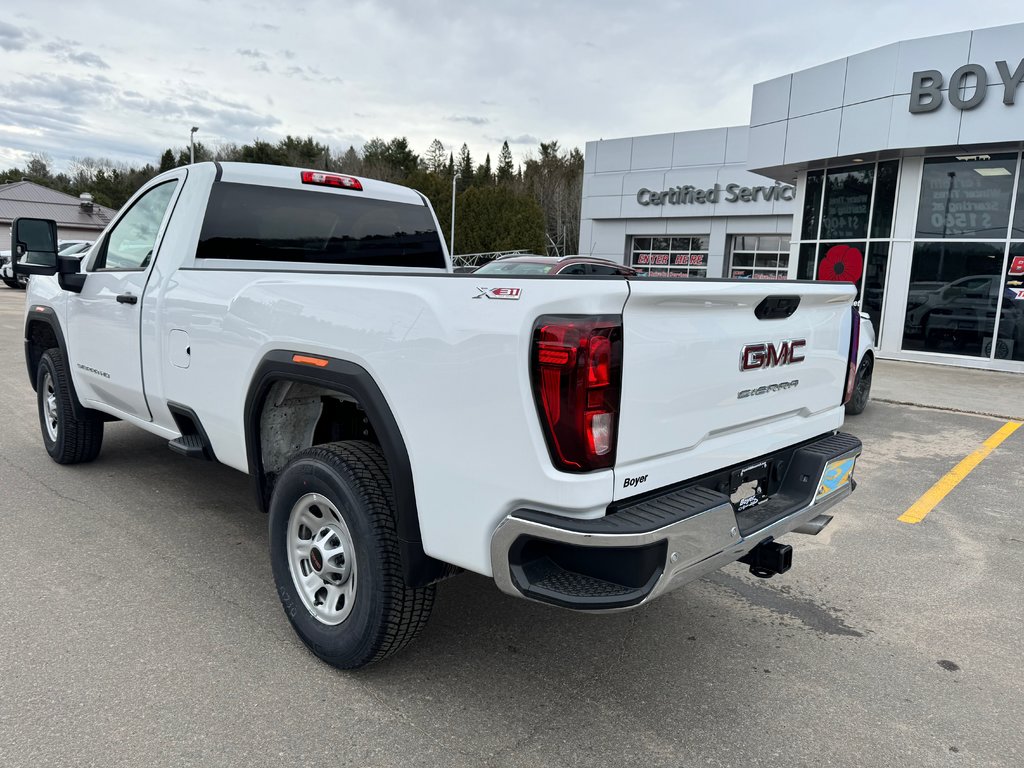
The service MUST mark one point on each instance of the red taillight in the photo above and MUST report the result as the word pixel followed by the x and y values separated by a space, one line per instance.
pixel 331 180
pixel 576 364
pixel 851 367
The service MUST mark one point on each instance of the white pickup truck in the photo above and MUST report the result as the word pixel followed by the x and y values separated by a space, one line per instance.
pixel 587 442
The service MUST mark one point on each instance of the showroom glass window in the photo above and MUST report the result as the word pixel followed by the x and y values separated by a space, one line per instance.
pixel 759 257
pixel 846 229
pixel 966 197
pixel 670 256
pixel 964 271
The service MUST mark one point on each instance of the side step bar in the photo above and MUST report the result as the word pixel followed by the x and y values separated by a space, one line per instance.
pixel 193 441
pixel 191 446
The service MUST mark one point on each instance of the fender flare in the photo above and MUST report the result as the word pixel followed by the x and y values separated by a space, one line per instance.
pixel 419 569
pixel 39 314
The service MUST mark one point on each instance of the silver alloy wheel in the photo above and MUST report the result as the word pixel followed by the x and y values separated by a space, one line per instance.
pixel 50 407
pixel 321 559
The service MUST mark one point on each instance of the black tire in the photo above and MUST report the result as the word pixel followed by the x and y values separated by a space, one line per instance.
pixel 861 387
pixel 11 283
pixel 68 440
pixel 385 614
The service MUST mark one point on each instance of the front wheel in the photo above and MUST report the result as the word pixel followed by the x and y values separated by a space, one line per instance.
pixel 861 387
pixel 68 439
pixel 335 557
pixel 10 282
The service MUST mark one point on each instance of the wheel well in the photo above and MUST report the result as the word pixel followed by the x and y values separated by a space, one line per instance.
pixel 40 337
pixel 290 407
pixel 297 415
pixel 869 357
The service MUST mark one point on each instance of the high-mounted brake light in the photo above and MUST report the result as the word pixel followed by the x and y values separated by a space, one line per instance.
pixel 851 363
pixel 576 365
pixel 331 180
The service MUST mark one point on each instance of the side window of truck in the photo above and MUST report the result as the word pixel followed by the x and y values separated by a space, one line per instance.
pixel 129 245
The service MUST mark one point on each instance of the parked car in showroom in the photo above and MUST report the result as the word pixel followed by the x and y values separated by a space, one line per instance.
pixel 928 296
pixel 529 264
pixel 67 248
pixel 964 321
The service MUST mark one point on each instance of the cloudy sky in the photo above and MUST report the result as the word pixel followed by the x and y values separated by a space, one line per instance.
pixel 125 80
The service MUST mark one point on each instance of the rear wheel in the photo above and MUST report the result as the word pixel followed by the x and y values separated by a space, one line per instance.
pixel 862 387
pixel 68 439
pixel 335 557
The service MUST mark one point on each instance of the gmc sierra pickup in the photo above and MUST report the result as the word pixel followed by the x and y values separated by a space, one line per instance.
pixel 587 442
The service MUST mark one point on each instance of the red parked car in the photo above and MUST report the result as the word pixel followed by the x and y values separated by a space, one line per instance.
pixel 528 264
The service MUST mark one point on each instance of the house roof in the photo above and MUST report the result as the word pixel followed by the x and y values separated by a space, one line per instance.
pixel 26 198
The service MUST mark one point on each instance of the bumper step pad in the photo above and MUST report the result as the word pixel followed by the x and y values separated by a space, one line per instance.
pixel 571 584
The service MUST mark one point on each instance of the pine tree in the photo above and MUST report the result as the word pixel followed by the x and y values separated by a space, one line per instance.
pixel 465 166
pixel 400 157
pixel 451 165
pixel 202 154
pixel 167 161
pixel 484 175
pixel 38 168
pixel 505 170
pixel 375 151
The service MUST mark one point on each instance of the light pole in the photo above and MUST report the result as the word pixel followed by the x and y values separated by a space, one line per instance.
pixel 451 238
pixel 192 145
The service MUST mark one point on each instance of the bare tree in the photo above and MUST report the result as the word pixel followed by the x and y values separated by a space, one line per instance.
pixel 349 162
pixel 556 181
pixel 436 160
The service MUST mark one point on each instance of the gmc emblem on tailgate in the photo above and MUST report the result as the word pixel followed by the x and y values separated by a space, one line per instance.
pixel 767 355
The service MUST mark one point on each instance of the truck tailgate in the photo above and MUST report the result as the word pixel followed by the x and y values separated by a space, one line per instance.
pixel 691 405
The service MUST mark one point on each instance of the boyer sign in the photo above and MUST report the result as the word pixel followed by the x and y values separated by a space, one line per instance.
pixel 926 86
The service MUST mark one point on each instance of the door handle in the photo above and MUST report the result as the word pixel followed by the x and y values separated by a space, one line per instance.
pixel 127 298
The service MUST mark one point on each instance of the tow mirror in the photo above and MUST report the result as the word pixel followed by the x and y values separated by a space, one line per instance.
pixel 34 247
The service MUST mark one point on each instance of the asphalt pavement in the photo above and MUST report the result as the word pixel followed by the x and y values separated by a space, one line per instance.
pixel 140 627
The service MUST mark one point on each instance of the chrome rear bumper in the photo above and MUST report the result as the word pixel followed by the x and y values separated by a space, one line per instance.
pixel 631 557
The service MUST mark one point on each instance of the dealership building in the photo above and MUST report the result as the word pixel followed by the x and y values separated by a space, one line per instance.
pixel 898 169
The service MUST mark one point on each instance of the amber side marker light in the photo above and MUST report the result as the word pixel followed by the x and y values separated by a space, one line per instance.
pixel 319 362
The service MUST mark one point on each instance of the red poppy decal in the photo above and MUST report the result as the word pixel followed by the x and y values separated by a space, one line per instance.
pixel 842 264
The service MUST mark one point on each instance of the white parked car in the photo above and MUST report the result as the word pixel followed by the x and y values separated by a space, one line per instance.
pixel 6 270
pixel 587 443
pixel 66 248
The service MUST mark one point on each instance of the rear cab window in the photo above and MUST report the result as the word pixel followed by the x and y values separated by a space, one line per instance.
pixel 251 222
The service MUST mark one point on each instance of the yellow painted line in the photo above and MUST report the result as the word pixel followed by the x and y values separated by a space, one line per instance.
pixel 938 492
